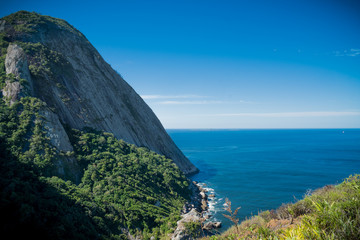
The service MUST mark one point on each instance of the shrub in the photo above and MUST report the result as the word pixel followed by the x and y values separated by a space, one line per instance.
pixel 193 229
pixel 232 216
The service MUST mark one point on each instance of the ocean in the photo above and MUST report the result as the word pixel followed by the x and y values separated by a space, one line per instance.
pixel 260 170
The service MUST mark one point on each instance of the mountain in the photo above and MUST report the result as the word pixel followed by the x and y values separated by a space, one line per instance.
pixel 62 69
pixel 81 155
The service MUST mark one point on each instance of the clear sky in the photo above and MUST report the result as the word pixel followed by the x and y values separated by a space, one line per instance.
pixel 228 64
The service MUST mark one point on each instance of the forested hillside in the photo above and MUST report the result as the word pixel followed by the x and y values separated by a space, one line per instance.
pixel 122 186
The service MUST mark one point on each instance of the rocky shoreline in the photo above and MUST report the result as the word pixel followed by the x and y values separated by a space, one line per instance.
pixel 195 211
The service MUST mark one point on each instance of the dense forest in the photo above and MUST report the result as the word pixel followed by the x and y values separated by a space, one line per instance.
pixel 123 187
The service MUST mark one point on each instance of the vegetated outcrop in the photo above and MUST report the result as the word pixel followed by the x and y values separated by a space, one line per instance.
pixel 194 219
pixel 49 59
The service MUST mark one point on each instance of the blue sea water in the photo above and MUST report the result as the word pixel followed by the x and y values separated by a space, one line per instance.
pixel 261 169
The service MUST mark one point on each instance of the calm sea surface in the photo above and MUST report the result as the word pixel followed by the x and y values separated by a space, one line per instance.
pixel 261 169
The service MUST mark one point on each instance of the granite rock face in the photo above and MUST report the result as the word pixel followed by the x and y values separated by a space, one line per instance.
pixel 17 66
pixel 65 71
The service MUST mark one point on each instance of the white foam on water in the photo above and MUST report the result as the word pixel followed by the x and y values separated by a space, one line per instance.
pixel 215 204
pixel 212 205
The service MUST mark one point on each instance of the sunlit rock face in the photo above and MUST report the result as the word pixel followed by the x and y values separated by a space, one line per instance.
pixel 65 71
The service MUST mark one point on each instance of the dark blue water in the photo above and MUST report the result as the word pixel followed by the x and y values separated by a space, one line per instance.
pixel 261 169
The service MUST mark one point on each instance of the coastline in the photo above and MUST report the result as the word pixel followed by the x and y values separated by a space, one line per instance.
pixel 196 211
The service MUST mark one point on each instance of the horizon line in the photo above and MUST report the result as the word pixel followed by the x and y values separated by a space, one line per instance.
pixel 346 128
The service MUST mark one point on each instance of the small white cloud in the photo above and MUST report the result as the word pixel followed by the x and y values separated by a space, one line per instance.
pixel 170 96
pixel 353 52
pixel 291 114
pixel 189 102
pixel 187 99
pixel 151 96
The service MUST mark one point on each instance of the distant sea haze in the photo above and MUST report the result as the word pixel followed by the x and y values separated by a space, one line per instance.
pixel 261 169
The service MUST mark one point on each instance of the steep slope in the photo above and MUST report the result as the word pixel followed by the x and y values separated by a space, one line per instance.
pixel 65 172
pixel 123 190
pixel 50 60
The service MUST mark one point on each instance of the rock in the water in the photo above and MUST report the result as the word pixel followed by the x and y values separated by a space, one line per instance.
pixel 203 195
pixel 217 224
pixel 212 225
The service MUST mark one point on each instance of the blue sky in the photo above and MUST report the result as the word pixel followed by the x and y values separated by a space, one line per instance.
pixel 228 64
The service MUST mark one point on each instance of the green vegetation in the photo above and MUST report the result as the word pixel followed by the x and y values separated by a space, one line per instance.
pixel 146 187
pixel 21 128
pixel 332 212
pixel 29 22
pixel 44 61
pixel 193 229
pixel 122 186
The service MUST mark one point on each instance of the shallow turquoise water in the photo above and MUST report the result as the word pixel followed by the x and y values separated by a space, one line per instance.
pixel 261 169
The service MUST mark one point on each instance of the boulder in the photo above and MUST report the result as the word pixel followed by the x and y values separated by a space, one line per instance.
pixel 212 225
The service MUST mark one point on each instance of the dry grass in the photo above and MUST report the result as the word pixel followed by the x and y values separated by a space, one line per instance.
pixel 331 212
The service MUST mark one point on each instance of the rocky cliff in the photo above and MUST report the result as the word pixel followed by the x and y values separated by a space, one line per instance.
pixel 49 59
